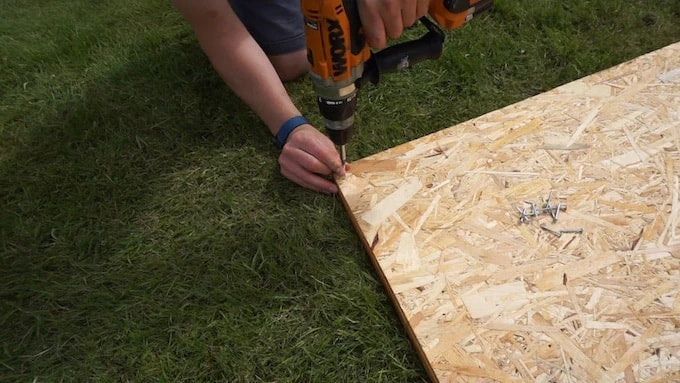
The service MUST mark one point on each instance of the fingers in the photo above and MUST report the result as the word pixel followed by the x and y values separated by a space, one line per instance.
pixel 372 23
pixel 309 140
pixel 408 13
pixel 307 157
pixel 299 157
pixel 422 7
pixel 308 180
pixel 382 19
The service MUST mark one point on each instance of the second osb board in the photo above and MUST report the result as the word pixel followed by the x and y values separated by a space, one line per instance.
pixel 487 298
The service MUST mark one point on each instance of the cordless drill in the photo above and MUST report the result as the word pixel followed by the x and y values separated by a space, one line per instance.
pixel 341 60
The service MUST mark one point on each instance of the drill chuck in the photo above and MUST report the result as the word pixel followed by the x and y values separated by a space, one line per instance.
pixel 341 136
pixel 338 115
pixel 341 60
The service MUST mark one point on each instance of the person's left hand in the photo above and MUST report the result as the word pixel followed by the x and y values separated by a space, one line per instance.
pixel 388 18
pixel 308 157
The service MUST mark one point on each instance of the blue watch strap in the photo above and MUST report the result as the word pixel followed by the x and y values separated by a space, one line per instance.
pixel 287 128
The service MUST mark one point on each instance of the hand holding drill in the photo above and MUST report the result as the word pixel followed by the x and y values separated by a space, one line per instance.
pixel 339 34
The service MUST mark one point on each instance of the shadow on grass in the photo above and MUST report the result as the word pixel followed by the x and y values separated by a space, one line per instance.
pixel 141 238
pixel 146 235
pixel 93 155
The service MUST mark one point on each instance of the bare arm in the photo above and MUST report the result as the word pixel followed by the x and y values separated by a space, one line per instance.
pixel 246 69
pixel 238 59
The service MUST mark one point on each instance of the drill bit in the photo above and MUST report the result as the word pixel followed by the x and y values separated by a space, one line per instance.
pixel 343 155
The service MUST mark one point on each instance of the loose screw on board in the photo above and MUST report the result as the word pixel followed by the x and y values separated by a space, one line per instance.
pixel 533 211
pixel 561 231
pixel 551 231
pixel 523 218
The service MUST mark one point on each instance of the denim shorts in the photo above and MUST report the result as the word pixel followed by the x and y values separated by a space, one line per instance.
pixel 277 26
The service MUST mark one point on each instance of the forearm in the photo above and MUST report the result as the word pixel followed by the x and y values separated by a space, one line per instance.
pixel 239 60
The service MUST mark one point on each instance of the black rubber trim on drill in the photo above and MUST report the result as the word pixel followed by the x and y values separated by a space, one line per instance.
pixel 404 55
pixel 337 110
pixel 483 5
pixel 340 137
pixel 357 41
pixel 457 6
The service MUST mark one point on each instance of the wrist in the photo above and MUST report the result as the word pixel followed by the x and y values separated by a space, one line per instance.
pixel 287 128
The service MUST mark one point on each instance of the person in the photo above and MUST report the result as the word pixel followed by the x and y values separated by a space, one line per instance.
pixel 256 46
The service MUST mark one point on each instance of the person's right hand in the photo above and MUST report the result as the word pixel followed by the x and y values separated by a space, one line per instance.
pixel 388 18
pixel 308 157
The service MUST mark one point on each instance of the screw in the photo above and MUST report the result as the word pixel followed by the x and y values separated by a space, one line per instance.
pixel 556 212
pixel 523 218
pixel 551 231
pixel 563 207
pixel 534 211
pixel 548 206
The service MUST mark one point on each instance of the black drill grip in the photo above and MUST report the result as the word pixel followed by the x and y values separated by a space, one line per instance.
pixel 404 55
pixel 356 38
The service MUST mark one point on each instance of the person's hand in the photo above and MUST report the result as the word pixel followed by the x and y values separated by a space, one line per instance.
pixel 308 157
pixel 388 18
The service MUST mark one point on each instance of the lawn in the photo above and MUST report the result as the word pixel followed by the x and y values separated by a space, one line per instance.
pixel 146 233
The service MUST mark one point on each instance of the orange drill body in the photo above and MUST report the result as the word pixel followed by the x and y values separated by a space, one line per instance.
pixel 332 31
pixel 453 14
pixel 341 60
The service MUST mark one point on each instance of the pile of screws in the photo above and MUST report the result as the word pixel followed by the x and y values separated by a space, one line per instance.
pixel 533 211
pixel 525 213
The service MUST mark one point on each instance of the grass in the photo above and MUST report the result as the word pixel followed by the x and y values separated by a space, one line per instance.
pixel 145 231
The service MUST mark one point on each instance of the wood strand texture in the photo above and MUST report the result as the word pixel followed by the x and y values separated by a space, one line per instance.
pixel 486 298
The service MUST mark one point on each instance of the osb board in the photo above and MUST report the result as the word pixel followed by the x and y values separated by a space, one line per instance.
pixel 487 298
